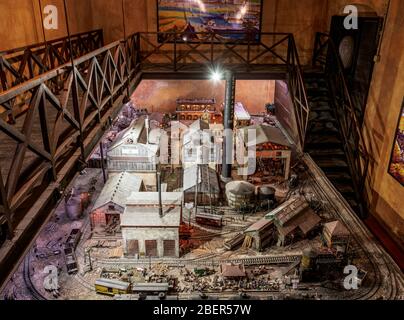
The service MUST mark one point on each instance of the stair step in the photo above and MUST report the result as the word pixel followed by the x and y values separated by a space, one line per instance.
pixel 320 107
pixel 339 176
pixel 314 99
pixel 325 128
pixel 322 116
pixel 316 85
pixel 332 163
pixel 321 139
pixel 325 152
pixel 344 188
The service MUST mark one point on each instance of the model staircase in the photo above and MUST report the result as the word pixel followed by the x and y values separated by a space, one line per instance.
pixel 324 142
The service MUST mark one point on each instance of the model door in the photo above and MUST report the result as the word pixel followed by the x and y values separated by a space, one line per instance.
pixel 169 248
pixel 151 248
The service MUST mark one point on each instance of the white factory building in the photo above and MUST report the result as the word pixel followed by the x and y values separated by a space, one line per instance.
pixel 148 231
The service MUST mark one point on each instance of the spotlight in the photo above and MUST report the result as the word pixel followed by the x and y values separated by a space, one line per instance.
pixel 216 76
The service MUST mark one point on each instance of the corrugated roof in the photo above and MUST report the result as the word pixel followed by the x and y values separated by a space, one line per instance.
pixel 260 225
pixel 131 135
pixel 288 210
pixel 135 216
pixel 152 198
pixel 305 221
pixel 232 271
pixel 336 228
pixel 132 150
pixel 264 134
pixel 117 189
pixel 205 183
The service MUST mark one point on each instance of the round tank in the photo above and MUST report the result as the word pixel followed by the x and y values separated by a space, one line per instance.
pixel 240 193
pixel 266 193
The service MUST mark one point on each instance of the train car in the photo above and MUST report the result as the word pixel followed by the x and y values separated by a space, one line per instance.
pixel 112 287
pixel 150 288
pixel 71 264
pixel 211 220
pixel 73 240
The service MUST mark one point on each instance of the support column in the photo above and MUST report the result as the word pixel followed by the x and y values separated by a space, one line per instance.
pixel 228 122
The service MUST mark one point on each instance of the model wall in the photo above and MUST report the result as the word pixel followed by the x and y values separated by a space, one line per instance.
pixel 161 95
pixel 20 21
pixel 382 114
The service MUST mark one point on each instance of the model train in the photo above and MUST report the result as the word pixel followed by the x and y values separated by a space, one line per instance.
pixel 69 251
pixel 211 220
pixel 113 287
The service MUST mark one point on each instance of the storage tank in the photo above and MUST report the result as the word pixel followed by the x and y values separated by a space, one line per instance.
pixel 266 194
pixel 240 193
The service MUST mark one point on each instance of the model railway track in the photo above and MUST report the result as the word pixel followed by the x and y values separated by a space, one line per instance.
pixel 265 260
pixel 206 261
pixel 363 293
pixel 36 295
pixel 386 280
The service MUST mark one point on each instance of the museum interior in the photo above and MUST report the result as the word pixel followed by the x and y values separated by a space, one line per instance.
pixel 180 149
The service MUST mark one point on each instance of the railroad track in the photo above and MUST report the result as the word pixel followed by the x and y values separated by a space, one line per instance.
pixel 266 260
pixel 36 295
pixel 205 261
pixel 387 281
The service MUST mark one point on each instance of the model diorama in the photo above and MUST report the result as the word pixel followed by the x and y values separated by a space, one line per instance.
pixel 178 230
pixel 209 160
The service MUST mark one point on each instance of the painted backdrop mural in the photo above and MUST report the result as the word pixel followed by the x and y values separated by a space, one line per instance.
pixel 231 19
pixel 396 168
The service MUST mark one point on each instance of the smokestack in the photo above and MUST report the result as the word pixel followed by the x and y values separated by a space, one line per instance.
pixel 228 122
pixel 159 190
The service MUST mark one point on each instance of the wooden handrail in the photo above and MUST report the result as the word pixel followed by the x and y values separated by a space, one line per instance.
pixel 350 125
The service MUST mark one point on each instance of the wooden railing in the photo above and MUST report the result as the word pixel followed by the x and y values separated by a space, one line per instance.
pixel 64 124
pixel 22 64
pixel 326 56
pixel 176 52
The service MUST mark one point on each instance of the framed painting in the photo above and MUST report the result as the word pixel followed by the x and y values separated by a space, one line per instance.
pixel 396 167
pixel 230 20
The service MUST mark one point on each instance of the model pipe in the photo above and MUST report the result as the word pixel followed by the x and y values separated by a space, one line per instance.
pixel 159 191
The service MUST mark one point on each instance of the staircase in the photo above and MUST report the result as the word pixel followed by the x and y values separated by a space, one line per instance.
pixel 324 142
